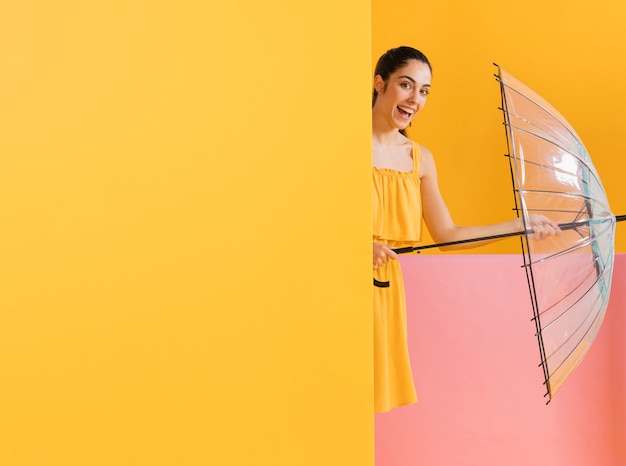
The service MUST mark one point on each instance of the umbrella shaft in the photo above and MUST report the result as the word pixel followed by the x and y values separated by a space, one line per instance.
pixel 562 226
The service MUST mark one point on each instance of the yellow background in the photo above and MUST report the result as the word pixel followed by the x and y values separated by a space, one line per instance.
pixel 185 258
pixel 570 52
pixel 185 250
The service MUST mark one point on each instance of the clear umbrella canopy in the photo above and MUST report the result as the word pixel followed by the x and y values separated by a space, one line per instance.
pixel 569 276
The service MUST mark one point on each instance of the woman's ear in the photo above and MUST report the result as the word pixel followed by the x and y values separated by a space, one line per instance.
pixel 379 84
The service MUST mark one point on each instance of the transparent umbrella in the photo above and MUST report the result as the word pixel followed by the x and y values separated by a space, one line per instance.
pixel 569 277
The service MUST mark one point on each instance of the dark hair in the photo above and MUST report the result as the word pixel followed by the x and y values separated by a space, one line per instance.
pixel 396 58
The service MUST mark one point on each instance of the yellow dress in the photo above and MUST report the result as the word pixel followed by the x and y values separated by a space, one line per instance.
pixel 397 223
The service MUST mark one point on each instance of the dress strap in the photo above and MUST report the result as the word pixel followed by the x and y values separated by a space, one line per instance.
pixel 416 154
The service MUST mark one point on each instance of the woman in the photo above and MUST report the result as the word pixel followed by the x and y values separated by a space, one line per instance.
pixel 405 190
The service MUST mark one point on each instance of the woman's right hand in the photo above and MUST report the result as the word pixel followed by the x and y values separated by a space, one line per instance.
pixel 382 254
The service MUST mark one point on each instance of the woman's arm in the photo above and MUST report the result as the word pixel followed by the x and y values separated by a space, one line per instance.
pixel 443 229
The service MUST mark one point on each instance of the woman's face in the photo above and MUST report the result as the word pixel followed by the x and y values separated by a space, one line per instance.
pixel 404 94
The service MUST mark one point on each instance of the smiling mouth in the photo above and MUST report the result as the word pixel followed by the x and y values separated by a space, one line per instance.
pixel 405 111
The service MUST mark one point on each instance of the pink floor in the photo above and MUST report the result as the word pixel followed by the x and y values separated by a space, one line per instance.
pixel 476 366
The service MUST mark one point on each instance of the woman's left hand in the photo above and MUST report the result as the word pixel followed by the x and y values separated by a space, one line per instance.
pixel 543 227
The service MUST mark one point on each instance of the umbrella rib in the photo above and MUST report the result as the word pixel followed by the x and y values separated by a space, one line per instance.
pixel 601 277
pixel 539 136
pixel 558 193
pixel 577 246
pixel 585 335
pixel 577 156
pixel 562 211
pixel 602 300
pixel 556 118
pixel 595 314
pixel 553 169
pixel 597 299
pixel 571 293
pixel 530 279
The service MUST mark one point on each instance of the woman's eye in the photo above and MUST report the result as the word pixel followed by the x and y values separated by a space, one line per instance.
pixel 424 92
pixel 405 85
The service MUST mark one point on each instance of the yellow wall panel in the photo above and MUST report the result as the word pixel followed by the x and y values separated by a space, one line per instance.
pixel 564 50
pixel 185 250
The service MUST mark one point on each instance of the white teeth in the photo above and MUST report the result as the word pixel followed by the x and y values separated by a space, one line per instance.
pixel 406 109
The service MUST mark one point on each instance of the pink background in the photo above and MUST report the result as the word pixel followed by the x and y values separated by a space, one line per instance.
pixel 476 367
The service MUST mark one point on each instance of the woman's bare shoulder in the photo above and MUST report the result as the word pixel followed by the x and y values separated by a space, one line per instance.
pixel 425 151
pixel 427 162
